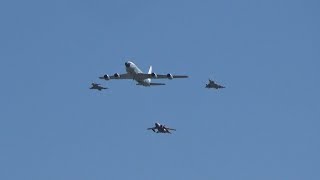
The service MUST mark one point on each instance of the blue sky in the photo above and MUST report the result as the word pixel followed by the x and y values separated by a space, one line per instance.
pixel 264 125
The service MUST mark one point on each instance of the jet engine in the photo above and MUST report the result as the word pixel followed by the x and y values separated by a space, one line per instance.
pixel 116 75
pixel 169 76
pixel 106 77
pixel 154 75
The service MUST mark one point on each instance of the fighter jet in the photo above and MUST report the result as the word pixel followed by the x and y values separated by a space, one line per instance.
pixel 143 79
pixel 160 128
pixel 212 84
pixel 97 86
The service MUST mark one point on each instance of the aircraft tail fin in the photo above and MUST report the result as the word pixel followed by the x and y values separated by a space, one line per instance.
pixel 150 70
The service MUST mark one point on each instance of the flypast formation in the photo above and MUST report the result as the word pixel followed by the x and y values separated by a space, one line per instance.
pixel 144 79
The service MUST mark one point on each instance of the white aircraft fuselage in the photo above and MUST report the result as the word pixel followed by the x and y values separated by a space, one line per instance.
pixel 133 69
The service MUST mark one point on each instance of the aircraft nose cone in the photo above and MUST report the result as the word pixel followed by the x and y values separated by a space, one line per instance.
pixel 127 64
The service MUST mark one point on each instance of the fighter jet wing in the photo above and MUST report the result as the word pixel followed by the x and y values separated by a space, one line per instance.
pixel 117 76
pixel 153 129
pixel 219 86
pixel 171 129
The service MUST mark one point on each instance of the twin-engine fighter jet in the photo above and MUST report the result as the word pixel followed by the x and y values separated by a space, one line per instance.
pixel 97 86
pixel 212 84
pixel 143 79
pixel 161 128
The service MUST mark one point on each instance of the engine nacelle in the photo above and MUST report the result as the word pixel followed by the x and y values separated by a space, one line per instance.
pixel 154 75
pixel 169 76
pixel 106 77
pixel 116 75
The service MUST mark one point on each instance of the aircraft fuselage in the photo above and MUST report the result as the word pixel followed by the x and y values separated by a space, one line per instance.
pixel 133 69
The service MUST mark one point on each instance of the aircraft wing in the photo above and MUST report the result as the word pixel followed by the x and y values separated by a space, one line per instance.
pixel 171 129
pixel 161 76
pixel 117 76
pixel 153 129
pixel 158 76
pixel 141 76
pixel 217 86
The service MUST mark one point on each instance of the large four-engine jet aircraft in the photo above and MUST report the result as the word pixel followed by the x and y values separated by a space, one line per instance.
pixel 143 79
pixel 159 128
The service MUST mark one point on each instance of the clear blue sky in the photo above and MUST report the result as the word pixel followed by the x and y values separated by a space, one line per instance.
pixel 264 125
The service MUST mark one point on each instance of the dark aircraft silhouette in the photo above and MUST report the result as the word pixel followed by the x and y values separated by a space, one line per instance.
pixel 97 86
pixel 212 84
pixel 160 128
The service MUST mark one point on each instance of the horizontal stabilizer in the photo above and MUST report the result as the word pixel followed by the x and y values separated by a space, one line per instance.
pixel 151 84
pixel 157 84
